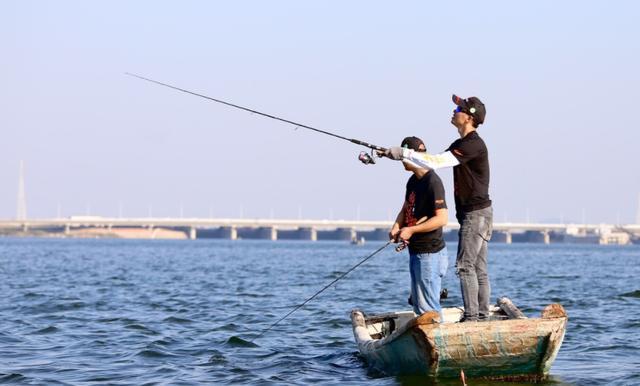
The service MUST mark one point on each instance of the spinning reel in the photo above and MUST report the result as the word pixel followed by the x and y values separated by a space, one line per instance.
pixel 367 158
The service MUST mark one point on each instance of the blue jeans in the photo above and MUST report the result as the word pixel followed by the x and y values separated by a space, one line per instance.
pixel 427 271
pixel 471 263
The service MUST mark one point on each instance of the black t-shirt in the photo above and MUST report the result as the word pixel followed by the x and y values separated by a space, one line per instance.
pixel 423 197
pixel 471 177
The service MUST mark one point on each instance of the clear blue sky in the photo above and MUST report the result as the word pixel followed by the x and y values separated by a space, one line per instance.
pixel 560 81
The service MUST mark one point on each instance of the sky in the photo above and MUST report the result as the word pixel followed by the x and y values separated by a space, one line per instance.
pixel 560 81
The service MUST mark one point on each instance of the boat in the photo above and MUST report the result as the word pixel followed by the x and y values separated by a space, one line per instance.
pixel 508 346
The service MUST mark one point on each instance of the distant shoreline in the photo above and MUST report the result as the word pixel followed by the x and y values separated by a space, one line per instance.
pixel 100 233
pixel 159 233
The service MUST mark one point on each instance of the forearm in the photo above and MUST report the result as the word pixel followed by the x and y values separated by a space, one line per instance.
pixel 400 217
pixel 431 224
pixel 430 161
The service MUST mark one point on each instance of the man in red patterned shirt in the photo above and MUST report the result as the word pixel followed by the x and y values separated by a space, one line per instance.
pixel 419 223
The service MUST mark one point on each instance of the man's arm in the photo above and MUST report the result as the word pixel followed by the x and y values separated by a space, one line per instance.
pixel 430 161
pixel 438 221
pixel 422 159
pixel 395 229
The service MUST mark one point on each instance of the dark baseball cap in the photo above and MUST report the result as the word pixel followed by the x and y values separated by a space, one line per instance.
pixel 472 106
pixel 413 143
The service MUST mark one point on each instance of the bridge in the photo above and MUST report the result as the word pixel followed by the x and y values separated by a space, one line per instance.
pixel 273 229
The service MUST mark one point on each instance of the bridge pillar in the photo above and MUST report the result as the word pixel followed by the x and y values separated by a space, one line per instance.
pixel 545 237
pixel 346 234
pixel 67 229
pixel 264 233
pixel 25 227
pixel 230 233
pixel 307 234
pixel 502 237
pixel 193 234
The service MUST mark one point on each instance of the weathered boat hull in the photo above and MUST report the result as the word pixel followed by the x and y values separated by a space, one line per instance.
pixel 512 349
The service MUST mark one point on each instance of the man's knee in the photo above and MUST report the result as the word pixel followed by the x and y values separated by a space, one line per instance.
pixel 464 271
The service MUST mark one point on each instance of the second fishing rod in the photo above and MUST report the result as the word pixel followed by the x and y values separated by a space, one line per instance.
pixel 364 157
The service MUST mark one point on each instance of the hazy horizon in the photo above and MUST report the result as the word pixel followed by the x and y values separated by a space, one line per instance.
pixel 558 80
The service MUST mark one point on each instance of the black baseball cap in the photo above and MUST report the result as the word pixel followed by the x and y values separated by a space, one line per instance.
pixel 472 106
pixel 413 143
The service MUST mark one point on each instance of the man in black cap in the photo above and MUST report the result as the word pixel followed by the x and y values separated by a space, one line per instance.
pixel 419 224
pixel 469 158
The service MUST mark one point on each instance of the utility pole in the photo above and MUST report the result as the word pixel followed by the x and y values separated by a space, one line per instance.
pixel 21 213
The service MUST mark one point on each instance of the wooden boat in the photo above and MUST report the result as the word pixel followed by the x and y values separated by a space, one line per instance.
pixel 509 346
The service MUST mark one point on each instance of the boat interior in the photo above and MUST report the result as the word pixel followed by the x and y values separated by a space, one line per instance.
pixel 382 325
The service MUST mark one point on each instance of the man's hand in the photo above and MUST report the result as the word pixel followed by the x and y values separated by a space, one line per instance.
pixel 395 153
pixel 405 233
pixel 393 233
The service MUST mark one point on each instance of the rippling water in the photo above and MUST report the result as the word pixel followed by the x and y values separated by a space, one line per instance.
pixel 87 312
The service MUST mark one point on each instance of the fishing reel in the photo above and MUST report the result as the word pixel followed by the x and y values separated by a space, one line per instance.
pixel 367 158
pixel 402 244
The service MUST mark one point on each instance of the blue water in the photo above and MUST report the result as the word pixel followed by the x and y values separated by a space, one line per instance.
pixel 94 312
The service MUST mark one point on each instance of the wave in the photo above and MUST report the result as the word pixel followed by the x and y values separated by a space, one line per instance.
pixel 11 378
pixel 236 341
pixel 140 327
pixel 177 320
pixel 150 353
pixel 47 330
pixel 632 294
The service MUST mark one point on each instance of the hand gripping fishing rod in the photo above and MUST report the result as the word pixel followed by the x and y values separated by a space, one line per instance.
pixel 324 288
pixel 363 157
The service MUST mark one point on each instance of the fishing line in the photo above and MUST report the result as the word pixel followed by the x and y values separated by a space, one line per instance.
pixel 325 287
pixel 368 160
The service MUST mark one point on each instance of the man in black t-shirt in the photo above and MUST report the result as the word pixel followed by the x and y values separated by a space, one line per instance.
pixel 419 224
pixel 469 158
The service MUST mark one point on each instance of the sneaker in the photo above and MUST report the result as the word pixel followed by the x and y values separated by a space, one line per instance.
pixel 467 319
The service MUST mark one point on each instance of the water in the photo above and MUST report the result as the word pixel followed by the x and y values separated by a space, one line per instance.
pixel 93 312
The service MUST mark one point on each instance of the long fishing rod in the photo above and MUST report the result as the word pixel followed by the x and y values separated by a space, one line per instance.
pixel 363 157
pixel 325 287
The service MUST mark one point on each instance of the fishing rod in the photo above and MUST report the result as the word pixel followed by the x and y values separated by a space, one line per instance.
pixel 364 157
pixel 325 287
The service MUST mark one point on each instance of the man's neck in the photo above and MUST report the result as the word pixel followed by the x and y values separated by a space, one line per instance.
pixel 466 130
pixel 419 173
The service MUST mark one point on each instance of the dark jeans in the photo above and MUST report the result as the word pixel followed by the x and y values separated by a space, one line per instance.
pixel 471 263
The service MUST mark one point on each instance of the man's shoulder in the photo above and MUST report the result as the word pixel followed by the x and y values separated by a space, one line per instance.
pixel 477 138
pixel 432 180
pixel 455 144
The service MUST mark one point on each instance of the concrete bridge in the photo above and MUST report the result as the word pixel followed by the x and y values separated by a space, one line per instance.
pixel 273 229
